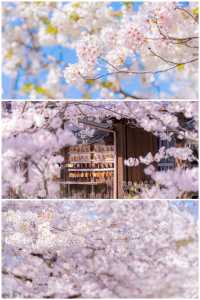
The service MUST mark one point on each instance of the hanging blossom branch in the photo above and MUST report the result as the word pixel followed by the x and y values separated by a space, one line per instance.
pixel 182 154
pixel 180 181
pixel 113 111
pixel 176 65
pixel 178 132
pixel 195 18
pixel 61 111
pixel 137 42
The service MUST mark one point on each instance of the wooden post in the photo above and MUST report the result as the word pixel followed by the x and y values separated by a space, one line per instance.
pixel 121 175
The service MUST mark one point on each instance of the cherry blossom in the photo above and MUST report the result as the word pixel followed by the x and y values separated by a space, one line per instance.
pixel 155 46
pixel 34 133
pixel 100 249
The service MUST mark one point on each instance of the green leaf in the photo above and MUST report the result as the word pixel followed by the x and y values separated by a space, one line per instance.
pixel 51 29
pixel 41 90
pixel 74 16
pixel 46 21
pixel 86 95
pixel 27 87
pixel 76 5
pixel 9 53
pixel 184 242
pixel 90 81
pixel 117 14
pixel 128 4
pixel 195 11
pixel 108 84
pixel 180 67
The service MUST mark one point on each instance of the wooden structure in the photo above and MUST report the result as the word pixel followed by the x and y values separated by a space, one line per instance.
pixel 131 142
pixel 97 170
pixel 88 171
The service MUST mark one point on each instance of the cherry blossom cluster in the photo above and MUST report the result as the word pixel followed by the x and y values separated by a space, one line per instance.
pixel 99 249
pixel 155 44
pixel 133 36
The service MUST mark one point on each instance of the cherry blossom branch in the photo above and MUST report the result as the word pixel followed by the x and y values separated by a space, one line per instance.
pixel 162 58
pixel 180 39
pixel 187 12
pixel 141 72
pixel 43 176
pixel 114 112
pixel 127 95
